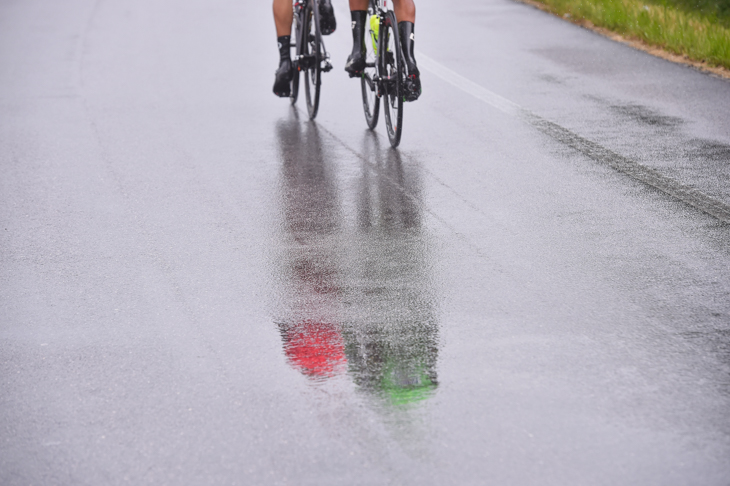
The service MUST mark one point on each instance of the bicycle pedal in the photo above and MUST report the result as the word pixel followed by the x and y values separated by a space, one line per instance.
pixel 326 66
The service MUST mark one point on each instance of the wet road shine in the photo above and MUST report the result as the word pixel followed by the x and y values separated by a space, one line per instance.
pixel 198 285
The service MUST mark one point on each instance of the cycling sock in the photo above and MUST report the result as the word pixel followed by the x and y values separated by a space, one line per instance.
pixel 358 30
pixel 284 46
pixel 413 81
pixel 407 41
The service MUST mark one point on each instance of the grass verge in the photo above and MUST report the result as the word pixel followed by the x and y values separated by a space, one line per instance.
pixel 698 30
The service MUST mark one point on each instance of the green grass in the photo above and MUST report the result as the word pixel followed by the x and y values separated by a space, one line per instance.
pixel 699 29
pixel 714 10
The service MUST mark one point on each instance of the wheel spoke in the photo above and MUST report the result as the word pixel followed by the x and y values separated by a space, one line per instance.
pixel 312 65
pixel 368 83
pixel 392 59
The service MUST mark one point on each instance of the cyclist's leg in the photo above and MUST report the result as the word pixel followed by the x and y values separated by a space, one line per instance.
pixel 356 61
pixel 283 17
pixel 405 12
pixel 359 5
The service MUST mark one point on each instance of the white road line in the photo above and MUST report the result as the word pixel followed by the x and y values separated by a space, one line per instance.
pixel 499 102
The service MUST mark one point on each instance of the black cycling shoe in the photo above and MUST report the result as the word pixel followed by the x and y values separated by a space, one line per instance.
pixel 284 75
pixel 327 21
pixel 412 88
pixel 355 64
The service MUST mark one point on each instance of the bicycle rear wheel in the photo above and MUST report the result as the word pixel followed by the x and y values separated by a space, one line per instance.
pixel 370 99
pixel 313 46
pixel 297 31
pixel 392 73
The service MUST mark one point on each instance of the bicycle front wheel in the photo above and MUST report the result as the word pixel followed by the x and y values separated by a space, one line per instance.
pixel 313 45
pixel 392 72
pixel 370 99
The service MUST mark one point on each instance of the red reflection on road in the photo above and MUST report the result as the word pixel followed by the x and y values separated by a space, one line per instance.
pixel 316 349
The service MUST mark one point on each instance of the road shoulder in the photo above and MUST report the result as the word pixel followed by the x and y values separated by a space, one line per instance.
pixel 636 43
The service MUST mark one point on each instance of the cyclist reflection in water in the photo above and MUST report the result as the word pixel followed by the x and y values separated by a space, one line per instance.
pixel 356 298
pixel 392 337
pixel 312 339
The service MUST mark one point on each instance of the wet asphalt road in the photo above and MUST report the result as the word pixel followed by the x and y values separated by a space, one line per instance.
pixel 199 286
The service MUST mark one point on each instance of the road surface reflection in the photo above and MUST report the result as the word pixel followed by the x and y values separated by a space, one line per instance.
pixel 355 283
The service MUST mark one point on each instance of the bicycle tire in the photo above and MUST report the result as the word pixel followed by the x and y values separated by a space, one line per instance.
pixel 297 30
pixel 313 41
pixel 392 71
pixel 370 99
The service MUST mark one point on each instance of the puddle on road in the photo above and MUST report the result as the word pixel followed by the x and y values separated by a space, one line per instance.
pixel 646 116
pixel 353 274
pixel 709 151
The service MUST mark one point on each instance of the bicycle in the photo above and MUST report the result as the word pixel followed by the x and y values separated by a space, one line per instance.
pixel 311 57
pixel 385 73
